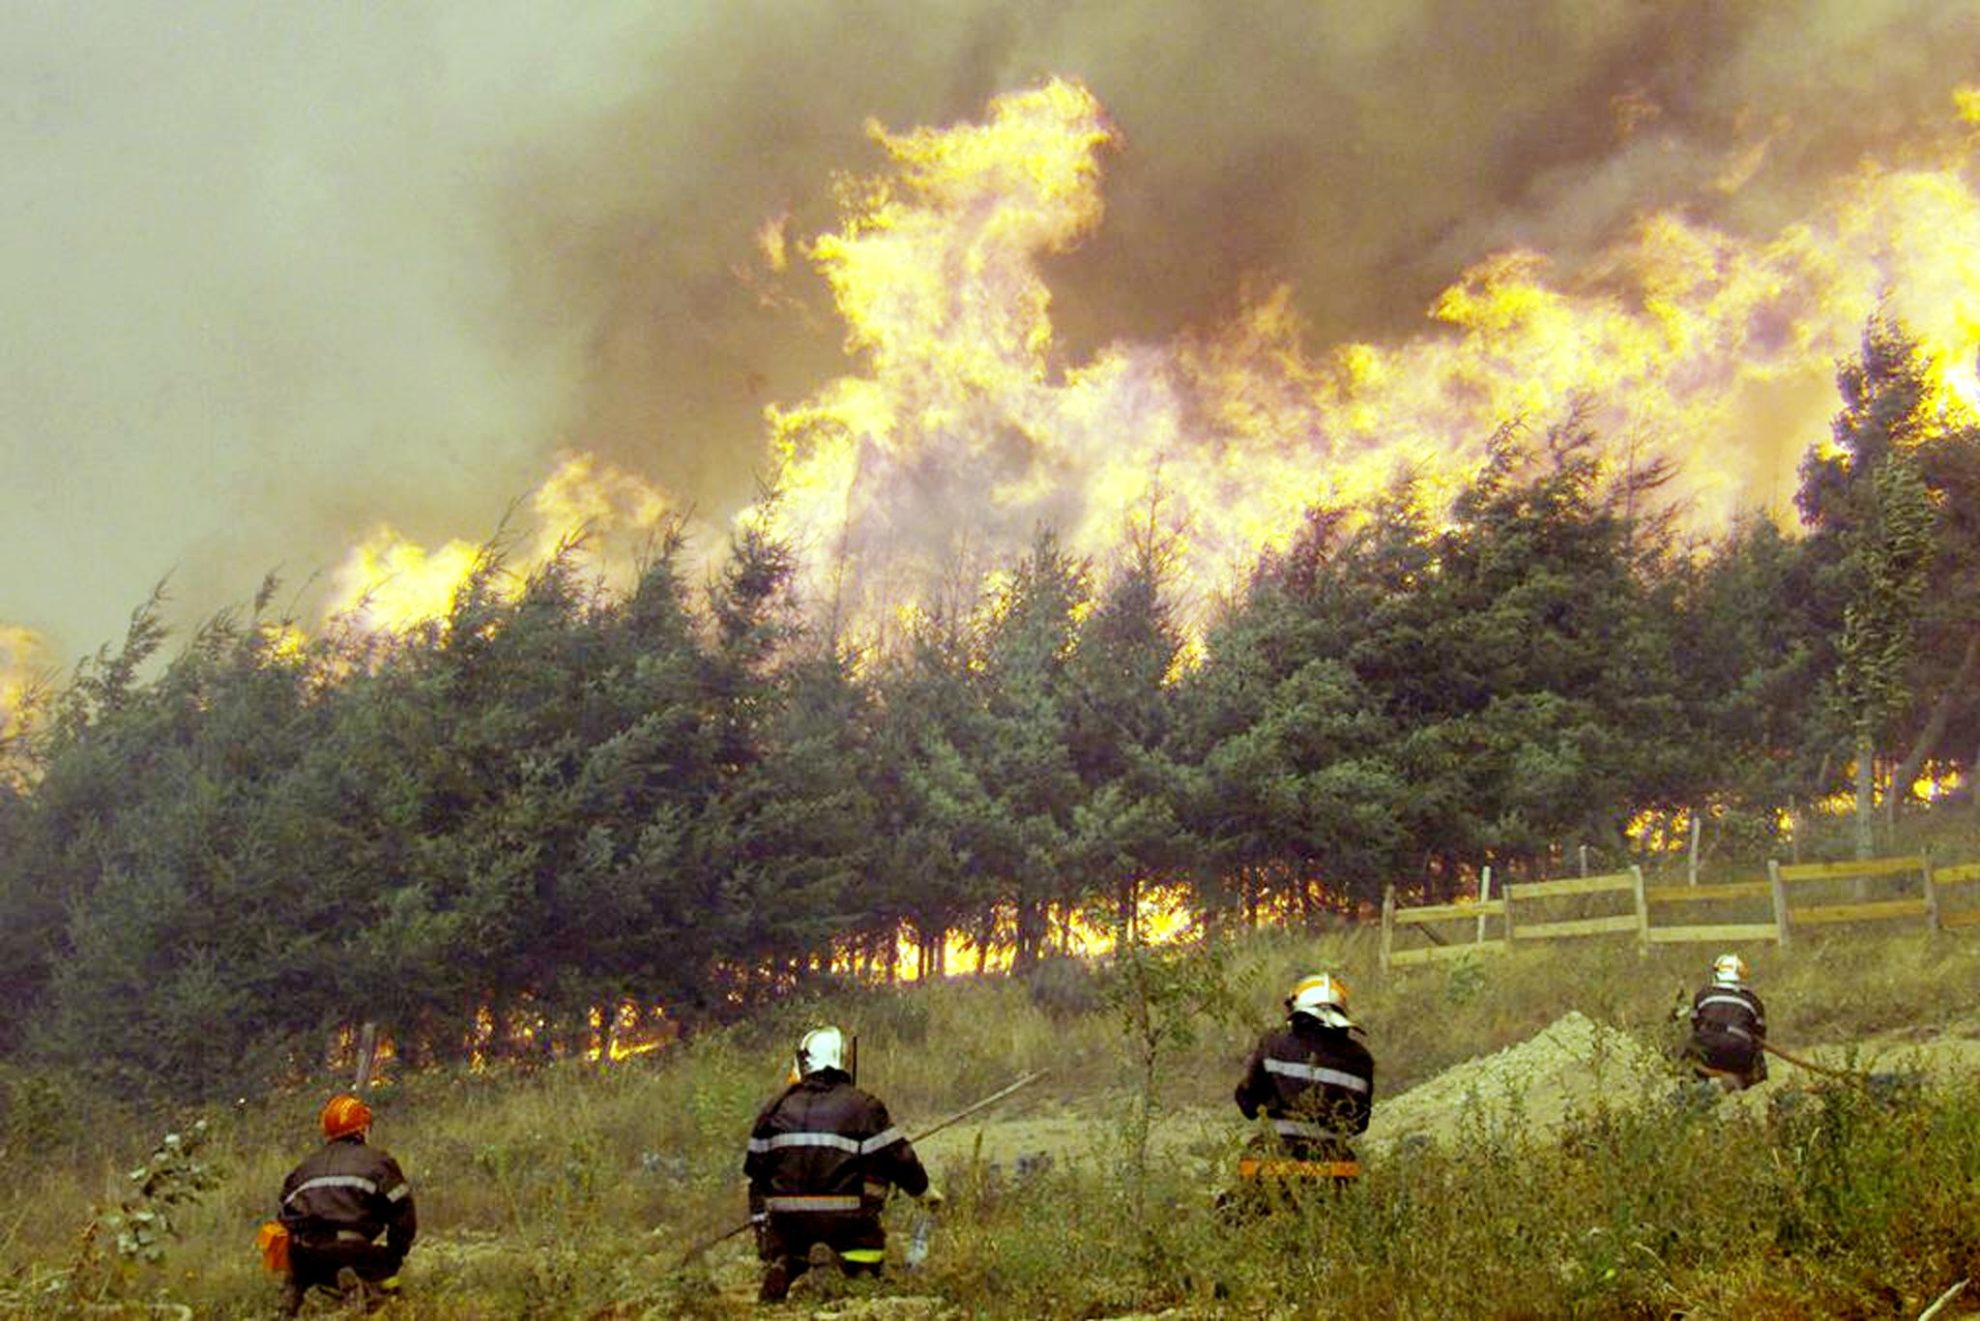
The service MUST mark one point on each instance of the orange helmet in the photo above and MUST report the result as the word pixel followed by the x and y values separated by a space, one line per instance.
pixel 344 1115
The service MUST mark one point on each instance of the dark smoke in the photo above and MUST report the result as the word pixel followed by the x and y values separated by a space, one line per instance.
pixel 278 271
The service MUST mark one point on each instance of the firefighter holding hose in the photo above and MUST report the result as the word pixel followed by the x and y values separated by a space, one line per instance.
pixel 822 1158
pixel 1728 1028
pixel 1314 1081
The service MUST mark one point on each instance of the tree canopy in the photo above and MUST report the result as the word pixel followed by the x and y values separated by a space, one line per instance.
pixel 491 832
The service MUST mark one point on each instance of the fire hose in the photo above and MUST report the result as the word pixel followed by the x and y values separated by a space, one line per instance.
pixel 1855 1080
pixel 1800 1063
pixel 930 1131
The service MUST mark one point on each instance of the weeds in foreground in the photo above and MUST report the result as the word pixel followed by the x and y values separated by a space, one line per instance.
pixel 573 1192
pixel 118 1241
pixel 1830 1206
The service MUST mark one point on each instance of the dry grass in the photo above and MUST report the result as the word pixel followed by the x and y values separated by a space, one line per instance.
pixel 573 1191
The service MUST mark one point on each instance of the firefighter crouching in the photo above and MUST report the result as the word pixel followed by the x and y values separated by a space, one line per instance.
pixel 821 1160
pixel 336 1204
pixel 1314 1080
pixel 1728 1028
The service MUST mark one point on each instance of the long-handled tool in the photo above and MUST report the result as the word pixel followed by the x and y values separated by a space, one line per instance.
pixel 928 1132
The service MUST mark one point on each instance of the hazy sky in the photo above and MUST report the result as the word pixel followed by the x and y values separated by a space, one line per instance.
pixel 276 272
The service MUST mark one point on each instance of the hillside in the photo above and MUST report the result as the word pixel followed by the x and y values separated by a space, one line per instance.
pixel 1591 1189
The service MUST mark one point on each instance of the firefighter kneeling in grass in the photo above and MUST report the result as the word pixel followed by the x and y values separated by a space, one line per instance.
pixel 821 1161
pixel 1314 1080
pixel 1728 1028
pixel 336 1204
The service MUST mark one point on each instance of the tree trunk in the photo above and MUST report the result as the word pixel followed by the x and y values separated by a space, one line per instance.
pixel 1935 727
pixel 1866 793
pixel 1030 929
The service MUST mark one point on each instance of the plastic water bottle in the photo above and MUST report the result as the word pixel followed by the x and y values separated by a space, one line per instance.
pixel 917 1248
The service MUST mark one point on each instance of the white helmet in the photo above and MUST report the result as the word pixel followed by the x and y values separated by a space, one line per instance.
pixel 1322 997
pixel 1729 970
pixel 822 1048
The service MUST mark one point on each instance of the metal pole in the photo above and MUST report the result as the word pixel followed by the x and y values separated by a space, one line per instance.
pixel 984 1104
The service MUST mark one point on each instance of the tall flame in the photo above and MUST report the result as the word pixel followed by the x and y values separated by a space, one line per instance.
pixel 965 428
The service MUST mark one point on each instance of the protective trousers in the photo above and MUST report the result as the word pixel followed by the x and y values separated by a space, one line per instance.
pixel 784 1244
pixel 317 1267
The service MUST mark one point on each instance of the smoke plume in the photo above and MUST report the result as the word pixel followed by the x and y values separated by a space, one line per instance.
pixel 289 279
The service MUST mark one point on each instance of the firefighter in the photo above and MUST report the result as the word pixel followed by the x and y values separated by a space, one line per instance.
pixel 1728 1028
pixel 821 1160
pixel 1314 1080
pixel 336 1204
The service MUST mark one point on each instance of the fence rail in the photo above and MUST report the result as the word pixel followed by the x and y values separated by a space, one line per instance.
pixel 1924 887
pixel 1951 878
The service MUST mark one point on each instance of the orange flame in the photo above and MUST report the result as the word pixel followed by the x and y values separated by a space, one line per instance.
pixel 965 429
pixel 25 663
pixel 1165 914
pixel 389 583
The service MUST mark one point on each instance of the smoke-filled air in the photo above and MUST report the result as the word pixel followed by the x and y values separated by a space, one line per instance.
pixel 342 296
pixel 1273 618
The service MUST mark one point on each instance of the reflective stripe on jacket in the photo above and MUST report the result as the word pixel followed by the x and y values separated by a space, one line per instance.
pixel 825 1146
pixel 1729 1031
pixel 1313 1082
pixel 351 1191
pixel 1730 1009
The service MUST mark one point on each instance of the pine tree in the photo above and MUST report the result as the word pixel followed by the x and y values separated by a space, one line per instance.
pixel 1873 540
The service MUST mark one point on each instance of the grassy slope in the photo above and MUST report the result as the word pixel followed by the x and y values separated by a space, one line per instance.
pixel 571 1192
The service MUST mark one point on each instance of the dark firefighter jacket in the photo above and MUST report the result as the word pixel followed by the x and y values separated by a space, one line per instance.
pixel 1316 1084
pixel 348 1191
pixel 1728 1025
pixel 824 1147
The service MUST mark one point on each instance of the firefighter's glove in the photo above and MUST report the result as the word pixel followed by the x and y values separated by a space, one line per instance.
pixel 932 1199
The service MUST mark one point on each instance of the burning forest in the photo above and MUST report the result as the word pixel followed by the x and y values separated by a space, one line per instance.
pixel 1018 631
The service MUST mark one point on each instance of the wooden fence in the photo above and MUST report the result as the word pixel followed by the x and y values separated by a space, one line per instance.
pixel 1923 894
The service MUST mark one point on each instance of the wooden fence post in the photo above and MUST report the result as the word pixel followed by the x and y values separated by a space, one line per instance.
pixel 1388 924
pixel 1779 889
pixel 1931 898
pixel 367 1051
pixel 1484 897
pixel 1691 859
pixel 1506 893
pixel 1642 910
pixel 608 1040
